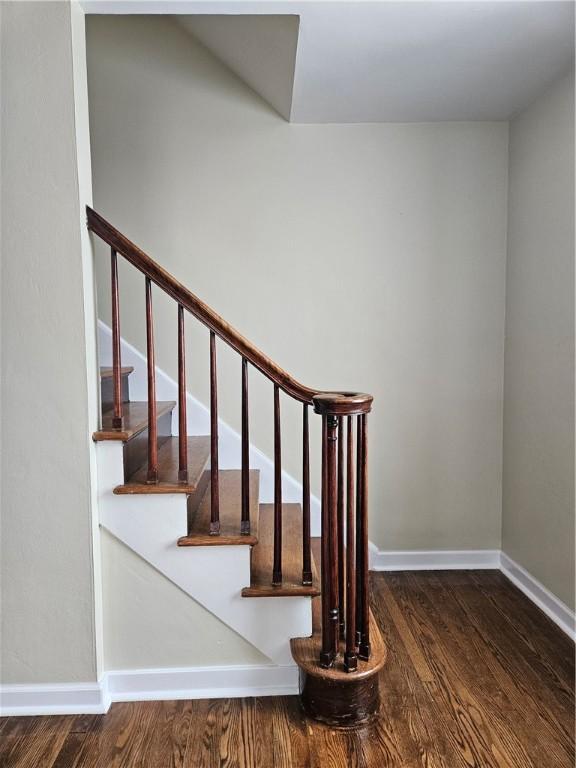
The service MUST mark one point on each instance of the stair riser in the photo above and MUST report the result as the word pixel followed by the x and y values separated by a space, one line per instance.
pixel 136 449
pixel 107 391
pixel 194 499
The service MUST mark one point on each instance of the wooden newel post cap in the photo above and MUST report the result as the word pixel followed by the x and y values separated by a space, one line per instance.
pixel 342 403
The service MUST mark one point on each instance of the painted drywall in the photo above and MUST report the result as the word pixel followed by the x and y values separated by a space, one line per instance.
pixel 49 599
pixel 261 49
pixel 538 481
pixel 155 625
pixel 366 257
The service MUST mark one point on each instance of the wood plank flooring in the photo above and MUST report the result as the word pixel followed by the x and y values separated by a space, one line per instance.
pixel 476 677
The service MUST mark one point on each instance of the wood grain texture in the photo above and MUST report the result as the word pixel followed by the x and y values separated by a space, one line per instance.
pixel 134 420
pixel 230 481
pixel 306 543
pixel 116 359
pixel 214 472
pixel 168 453
pixel 152 473
pixel 135 450
pixel 263 553
pixel 182 420
pixel 476 677
pixel 306 653
pixel 107 386
pixel 277 548
pixel 245 452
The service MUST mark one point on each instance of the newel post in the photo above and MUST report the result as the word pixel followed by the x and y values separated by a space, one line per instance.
pixel 344 565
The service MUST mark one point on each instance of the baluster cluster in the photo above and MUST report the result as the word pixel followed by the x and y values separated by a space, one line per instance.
pixel 345 594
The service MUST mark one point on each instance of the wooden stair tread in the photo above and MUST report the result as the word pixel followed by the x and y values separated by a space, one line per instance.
pixel 262 556
pixel 198 457
pixel 134 420
pixel 230 482
pixel 106 372
pixel 306 653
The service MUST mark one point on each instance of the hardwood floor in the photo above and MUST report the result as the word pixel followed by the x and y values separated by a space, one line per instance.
pixel 476 677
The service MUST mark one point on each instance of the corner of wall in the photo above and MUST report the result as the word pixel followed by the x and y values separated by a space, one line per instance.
pixel 84 172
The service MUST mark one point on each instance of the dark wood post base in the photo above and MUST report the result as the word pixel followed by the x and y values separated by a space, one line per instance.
pixel 337 702
pixel 345 692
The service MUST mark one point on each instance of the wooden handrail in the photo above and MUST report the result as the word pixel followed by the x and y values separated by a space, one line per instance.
pixel 341 403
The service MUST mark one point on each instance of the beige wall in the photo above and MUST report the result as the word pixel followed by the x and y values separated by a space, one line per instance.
pixel 48 631
pixel 150 623
pixel 538 498
pixel 356 256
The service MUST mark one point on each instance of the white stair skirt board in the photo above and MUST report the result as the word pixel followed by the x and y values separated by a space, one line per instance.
pixel 554 608
pixel 434 560
pixel 148 685
pixel 151 524
pixel 198 422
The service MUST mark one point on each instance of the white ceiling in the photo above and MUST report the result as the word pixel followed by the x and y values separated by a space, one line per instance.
pixel 383 60
pixel 420 61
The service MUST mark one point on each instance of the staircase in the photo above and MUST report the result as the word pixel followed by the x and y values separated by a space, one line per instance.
pixel 252 565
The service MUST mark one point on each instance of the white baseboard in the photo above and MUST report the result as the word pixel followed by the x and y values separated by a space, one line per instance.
pixel 202 683
pixel 434 560
pixel 148 685
pixel 554 608
pixel 54 699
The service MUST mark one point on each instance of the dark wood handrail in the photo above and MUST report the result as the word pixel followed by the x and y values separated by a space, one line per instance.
pixel 340 403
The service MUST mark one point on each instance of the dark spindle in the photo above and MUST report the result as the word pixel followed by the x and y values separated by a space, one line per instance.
pixel 364 646
pixel 340 526
pixel 306 553
pixel 116 362
pixel 277 567
pixel 332 503
pixel 182 426
pixel 350 658
pixel 359 551
pixel 326 654
pixel 245 521
pixel 152 417
pixel 214 489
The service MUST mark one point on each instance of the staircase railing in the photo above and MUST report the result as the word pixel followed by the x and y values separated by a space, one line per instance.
pixel 344 541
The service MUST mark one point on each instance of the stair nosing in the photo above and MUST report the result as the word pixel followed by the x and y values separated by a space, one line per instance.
pixel 125 370
pixel 117 433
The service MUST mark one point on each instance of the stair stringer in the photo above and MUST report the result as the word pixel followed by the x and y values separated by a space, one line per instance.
pixel 150 525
